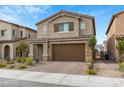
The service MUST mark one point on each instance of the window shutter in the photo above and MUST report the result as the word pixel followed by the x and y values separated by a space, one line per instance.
pixel 56 27
pixel 71 26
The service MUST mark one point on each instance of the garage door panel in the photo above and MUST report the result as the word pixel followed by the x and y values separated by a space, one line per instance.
pixel 68 52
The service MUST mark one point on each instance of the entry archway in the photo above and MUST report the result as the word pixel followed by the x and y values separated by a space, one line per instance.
pixel 6 51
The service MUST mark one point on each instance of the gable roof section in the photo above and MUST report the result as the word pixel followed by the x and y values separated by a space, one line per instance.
pixel 112 19
pixel 18 25
pixel 68 12
pixel 71 13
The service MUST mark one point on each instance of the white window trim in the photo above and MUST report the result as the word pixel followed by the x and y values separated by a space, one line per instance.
pixel 46 27
pixel 64 31
pixel 85 25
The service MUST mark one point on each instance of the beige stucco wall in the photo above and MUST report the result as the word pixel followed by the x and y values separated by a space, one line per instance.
pixel 89 27
pixel 120 24
pixel 32 33
pixel 52 34
pixel 25 31
pixel 111 48
pixel 112 29
pixel 117 27
pixel 7 27
pixel 61 19
pixel 0 51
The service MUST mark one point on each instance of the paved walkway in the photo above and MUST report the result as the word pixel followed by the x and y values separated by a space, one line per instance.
pixel 62 79
pixel 22 83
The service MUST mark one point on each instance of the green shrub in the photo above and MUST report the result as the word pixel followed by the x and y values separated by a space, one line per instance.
pixel 23 59
pixel 121 66
pixel 21 66
pixel 89 62
pixel 2 65
pixel 92 72
pixel 18 59
pixel 29 61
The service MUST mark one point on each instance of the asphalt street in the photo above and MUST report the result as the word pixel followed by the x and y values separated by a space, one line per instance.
pixel 21 83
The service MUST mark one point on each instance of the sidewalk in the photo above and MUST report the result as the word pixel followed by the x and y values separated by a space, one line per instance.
pixel 62 79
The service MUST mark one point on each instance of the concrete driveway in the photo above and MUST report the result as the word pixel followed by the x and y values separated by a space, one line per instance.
pixel 60 67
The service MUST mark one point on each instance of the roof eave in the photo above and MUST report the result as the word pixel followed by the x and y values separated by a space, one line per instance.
pixel 111 21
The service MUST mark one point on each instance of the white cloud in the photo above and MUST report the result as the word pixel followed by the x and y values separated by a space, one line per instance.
pixel 18 13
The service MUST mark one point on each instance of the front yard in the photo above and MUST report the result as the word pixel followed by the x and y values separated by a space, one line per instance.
pixel 78 68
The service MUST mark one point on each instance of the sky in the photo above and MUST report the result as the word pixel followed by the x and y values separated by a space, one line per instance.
pixel 31 14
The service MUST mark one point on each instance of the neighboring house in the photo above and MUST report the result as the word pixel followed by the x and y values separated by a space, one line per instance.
pixel 11 35
pixel 114 32
pixel 99 47
pixel 63 37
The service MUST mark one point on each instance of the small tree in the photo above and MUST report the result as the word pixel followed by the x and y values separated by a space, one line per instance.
pixel 92 42
pixel 22 48
pixel 120 48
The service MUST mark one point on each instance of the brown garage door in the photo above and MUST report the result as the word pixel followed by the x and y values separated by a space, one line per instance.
pixel 69 52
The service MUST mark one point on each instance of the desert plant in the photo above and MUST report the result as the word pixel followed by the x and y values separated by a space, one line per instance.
pixel 21 66
pixel 92 71
pixel 18 59
pixel 22 48
pixel 29 61
pixel 91 44
pixel 89 65
pixel 121 66
pixel 120 48
pixel 2 65
pixel 89 62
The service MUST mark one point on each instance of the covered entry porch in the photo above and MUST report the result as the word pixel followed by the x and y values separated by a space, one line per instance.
pixel 38 51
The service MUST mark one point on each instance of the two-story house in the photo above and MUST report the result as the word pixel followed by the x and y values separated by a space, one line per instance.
pixel 63 37
pixel 115 32
pixel 11 35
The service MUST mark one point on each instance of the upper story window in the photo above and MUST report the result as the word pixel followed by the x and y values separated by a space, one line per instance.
pixel 64 27
pixel 3 32
pixel 21 33
pixel 83 25
pixel 13 32
pixel 45 28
